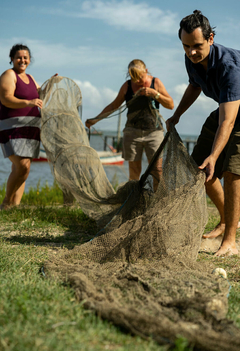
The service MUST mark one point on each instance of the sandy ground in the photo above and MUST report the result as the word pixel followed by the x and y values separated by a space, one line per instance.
pixel 212 245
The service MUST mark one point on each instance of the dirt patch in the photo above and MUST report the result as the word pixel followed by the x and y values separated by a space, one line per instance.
pixel 212 245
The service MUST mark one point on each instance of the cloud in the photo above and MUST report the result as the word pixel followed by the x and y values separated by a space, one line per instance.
pixel 93 102
pixel 94 70
pixel 48 55
pixel 192 120
pixel 94 97
pixel 227 32
pixel 60 55
pixel 131 16
pixel 203 103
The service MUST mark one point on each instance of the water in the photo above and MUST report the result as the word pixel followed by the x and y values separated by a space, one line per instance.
pixel 40 171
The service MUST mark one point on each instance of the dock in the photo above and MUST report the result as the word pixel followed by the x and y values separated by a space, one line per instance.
pixel 189 144
pixel 113 141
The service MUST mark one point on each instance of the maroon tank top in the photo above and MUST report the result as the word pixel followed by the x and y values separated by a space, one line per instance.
pixel 26 92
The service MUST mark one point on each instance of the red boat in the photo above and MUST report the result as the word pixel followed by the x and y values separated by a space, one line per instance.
pixel 106 157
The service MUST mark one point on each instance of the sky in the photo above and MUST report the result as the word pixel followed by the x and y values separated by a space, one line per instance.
pixel 92 42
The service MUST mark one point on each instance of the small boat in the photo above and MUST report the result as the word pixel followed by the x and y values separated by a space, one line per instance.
pixel 94 132
pixel 42 156
pixel 106 157
pixel 110 158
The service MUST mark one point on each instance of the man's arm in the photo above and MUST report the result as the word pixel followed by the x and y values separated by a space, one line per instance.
pixel 190 95
pixel 227 115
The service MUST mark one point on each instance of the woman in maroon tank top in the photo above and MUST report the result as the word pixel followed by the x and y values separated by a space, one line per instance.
pixel 19 122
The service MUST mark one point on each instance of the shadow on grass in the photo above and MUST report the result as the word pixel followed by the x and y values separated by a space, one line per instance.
pixel 63 225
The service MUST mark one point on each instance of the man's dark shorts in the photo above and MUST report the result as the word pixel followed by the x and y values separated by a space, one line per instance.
pixel 229 159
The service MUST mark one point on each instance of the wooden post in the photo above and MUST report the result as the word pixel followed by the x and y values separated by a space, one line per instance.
pixel 105 143
pixel 119 129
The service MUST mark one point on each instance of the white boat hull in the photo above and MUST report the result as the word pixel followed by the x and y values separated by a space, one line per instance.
pixel 106 157
pixel 110 158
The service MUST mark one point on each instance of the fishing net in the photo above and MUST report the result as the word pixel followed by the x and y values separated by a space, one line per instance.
pixel 140 270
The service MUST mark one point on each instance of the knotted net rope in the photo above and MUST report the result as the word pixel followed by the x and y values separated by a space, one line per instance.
pixel 140 269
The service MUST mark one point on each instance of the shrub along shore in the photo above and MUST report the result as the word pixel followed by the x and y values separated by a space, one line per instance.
pixel 38 314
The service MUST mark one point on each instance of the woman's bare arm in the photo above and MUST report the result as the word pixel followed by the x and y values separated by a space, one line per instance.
pixel 7 89
pixel 115 104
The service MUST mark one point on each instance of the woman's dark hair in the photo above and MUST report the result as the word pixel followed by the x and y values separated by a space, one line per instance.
pixel 16 48
pixel 196 20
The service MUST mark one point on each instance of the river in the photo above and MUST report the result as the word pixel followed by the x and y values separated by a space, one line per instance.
pixel 40 172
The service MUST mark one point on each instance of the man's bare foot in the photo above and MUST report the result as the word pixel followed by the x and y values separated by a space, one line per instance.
pixel 218 230
pixel 226 250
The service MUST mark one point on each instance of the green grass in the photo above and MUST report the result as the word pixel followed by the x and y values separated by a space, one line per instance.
pixel 36 313
pixel 41 314
pixel 41 196
pixel 230 264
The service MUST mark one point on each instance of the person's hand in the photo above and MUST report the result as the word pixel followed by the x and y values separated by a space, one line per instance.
pixel 146 92
pixel 90 122
pixel 35 102
pixel 57 78
pixel 208 167
pixel 174 120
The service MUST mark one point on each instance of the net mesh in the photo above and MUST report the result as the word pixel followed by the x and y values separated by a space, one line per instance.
pixel 140 269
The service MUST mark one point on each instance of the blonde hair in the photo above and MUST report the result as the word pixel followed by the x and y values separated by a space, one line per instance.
pixel 135 69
